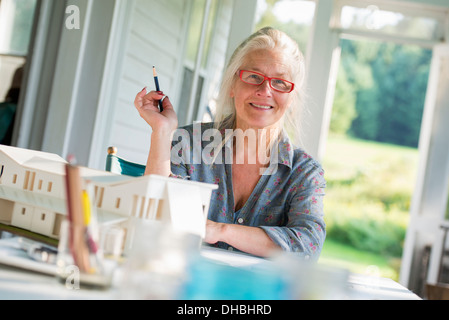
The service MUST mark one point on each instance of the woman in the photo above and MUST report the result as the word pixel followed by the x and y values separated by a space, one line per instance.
pixel 263 204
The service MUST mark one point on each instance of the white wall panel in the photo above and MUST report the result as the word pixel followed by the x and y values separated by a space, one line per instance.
pixel 155 38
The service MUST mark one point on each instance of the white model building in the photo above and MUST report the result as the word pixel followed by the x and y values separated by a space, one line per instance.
pixel 32 195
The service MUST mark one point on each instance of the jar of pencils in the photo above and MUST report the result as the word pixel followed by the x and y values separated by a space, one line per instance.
pixel 83 244
pixel 81 261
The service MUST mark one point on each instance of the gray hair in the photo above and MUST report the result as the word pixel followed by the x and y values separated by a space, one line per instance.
pixel 269 39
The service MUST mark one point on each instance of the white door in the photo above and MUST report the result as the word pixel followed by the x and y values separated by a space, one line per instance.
pixel 431 193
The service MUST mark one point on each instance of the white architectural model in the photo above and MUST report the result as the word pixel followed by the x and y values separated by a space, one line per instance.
pixel 32 195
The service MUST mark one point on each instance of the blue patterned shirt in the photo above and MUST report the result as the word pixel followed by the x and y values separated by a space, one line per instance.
pixel 287 203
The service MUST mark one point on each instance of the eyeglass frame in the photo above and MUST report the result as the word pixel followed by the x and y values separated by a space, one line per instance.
pixel 265 78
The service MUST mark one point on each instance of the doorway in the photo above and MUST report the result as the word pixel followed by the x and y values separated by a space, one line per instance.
pixel 372 155
pixel 402 32
pixel 16 22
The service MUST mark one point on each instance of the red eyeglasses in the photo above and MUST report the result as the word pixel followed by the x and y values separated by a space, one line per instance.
pixel 256 79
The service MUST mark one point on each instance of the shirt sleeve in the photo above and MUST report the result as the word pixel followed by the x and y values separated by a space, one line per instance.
pixel 305 230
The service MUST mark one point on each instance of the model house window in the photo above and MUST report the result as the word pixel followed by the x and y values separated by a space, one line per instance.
pixel 32 179
pixel 135 206
pixel 25 182
pixel 193 100
pixel 99 194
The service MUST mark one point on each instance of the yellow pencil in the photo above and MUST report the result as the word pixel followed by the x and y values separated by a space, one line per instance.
pixel 86 208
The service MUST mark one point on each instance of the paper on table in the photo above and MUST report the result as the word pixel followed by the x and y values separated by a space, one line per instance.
pixel 185 209
pixel 12 254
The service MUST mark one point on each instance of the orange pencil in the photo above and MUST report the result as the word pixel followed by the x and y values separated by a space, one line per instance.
pixel 75 212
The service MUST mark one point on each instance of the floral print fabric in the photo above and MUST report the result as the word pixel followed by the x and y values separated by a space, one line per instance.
pixel 287 202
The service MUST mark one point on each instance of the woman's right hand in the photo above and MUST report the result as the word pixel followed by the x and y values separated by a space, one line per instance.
pixel 147 104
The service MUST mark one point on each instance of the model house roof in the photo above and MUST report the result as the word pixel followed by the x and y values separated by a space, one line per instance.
pixel 51 163
pixel 22 156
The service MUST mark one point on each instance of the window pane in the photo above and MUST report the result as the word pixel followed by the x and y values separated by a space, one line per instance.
pixel 186 93
pixel 16 21
pixel 194 34
pixel 199 91
pixel 372 18
pixel 194 73
pixel 446 216
pixel 185 96
pixel 209 31
pixel 294 17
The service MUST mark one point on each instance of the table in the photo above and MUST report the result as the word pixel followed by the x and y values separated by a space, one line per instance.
pixel 22 283
pixel 366 287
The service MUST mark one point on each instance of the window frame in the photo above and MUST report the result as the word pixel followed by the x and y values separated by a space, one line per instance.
pixel 197 95
pixel 409 10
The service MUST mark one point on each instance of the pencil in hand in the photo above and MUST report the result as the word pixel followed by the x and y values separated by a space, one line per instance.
pixel 156 82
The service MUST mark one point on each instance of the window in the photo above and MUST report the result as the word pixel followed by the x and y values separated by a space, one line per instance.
pixel 99 194
pixel 446 215
pixel 390 21
pixel 33 177
pixel 16 20
pixel 294 17
pixel 198 47
pixel 27 179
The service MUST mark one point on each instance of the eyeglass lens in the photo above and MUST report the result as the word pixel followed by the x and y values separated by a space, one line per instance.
pixel 258 79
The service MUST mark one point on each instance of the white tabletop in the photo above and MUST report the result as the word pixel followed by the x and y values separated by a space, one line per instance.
pixel 24 279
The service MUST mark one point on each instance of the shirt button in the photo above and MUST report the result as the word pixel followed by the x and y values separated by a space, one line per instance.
pixel 240 221
pixel 230 249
